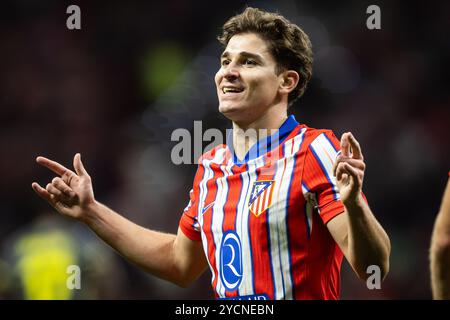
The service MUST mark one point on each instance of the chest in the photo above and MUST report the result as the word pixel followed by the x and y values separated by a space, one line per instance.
pixel 255 199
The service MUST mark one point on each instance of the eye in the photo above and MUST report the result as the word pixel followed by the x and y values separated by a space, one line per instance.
pixel 249 62
pixel 225 62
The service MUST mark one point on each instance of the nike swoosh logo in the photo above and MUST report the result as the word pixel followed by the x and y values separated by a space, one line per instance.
pixel 207 207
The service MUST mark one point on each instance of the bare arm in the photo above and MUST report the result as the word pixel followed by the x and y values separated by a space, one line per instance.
pixel 362 240
pixel 175 258
pixel 440 250
pixel 358 233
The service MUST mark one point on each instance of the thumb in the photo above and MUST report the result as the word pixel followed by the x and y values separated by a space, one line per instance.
pixel 78 165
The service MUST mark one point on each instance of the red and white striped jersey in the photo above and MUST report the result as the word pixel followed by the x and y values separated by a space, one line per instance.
pixel 262 222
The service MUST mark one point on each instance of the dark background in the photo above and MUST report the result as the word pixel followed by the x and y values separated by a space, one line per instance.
pixel 137 70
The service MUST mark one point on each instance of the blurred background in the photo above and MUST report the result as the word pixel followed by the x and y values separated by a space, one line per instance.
pixel 137 70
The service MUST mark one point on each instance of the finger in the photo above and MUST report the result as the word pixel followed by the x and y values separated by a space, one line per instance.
pixel 359 164
pixel 62 208
pixel 336 162
pixel 54 166
pixel 50 198
pixel 356 148
pixel 44 194
pixel 340 171
pixel 354 173
pixel 351 170
pixel 78 165
pixel 334 168
pixel 50 188
pixel 345 146
pixel 61 186
pixel 57 196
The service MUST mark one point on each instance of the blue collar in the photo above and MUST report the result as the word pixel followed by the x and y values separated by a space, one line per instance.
pixel 266 144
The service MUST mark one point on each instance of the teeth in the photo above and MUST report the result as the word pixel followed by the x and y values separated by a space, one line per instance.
pixel 226 90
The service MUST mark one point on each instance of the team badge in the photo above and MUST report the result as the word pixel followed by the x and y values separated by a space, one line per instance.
pixel 261 196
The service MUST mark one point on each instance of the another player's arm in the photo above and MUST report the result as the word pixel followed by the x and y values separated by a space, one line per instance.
pixel 175 258
pixel 440 250
pixel 358 233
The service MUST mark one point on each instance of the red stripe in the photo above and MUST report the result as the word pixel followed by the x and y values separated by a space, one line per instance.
pixel 230 210
pixel 297 231
pixel 260 253
pixel 265 192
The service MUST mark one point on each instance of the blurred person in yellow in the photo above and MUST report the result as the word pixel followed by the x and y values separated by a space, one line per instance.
pixel 43 259
pixel 440 250
pixel 51 259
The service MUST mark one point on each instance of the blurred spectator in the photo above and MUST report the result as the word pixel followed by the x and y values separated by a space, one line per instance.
pixel 39 257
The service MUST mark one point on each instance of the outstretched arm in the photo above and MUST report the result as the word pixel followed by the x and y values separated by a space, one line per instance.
pixel 440 250
pixel 175 258
pixel 358 233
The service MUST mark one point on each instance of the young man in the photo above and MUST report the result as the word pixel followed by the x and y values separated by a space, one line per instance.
pixel 271 217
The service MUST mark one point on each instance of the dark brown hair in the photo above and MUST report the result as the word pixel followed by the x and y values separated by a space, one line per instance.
pixel 288 44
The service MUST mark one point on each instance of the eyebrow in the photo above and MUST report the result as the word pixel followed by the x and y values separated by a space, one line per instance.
pixel 246 54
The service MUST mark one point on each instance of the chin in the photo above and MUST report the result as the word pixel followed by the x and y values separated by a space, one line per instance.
pixel 235 113
pixel 227 109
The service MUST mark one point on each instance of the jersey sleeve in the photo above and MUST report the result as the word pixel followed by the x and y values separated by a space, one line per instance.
pixel 188 222
pixel 318 176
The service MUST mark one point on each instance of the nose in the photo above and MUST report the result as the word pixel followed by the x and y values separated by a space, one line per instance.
pixel 230 72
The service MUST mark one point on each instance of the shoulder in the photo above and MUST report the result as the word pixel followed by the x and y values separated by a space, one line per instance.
pixel 217 154
pixel 321 137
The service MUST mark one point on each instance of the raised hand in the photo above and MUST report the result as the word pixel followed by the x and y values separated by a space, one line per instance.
pixel 70 193
pixel 349 170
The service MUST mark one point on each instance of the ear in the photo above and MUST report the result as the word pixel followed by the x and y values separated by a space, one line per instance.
pixel 288 81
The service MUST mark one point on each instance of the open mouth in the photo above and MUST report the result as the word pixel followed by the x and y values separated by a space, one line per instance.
pixel 226 90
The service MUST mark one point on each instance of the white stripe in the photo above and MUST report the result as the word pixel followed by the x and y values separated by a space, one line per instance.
pixel 208 174
pixel 289 150
pixel 217 221
pixel 278 215
pixel 327 156
pixel 216 230
pixel 283 232
pixel 298 140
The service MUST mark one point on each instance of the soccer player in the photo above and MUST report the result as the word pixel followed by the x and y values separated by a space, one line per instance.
pixel 271 214
pixel 440 250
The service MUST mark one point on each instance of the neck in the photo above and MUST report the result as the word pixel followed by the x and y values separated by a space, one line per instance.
pixel 245 135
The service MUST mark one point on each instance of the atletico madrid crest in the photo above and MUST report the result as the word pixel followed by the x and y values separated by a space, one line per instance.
pixel 261 196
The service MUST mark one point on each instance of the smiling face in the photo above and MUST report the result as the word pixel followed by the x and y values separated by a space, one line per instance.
pixel 247 85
